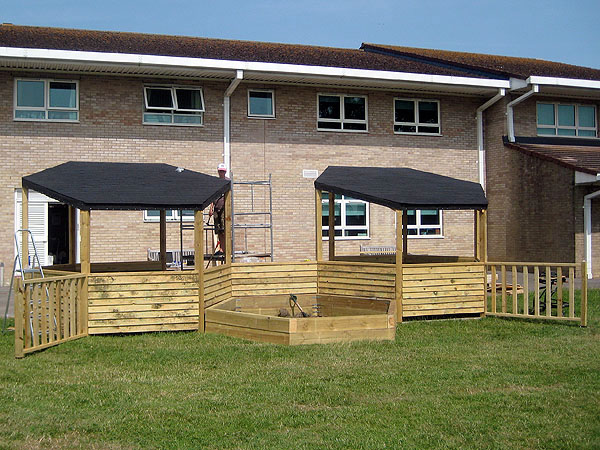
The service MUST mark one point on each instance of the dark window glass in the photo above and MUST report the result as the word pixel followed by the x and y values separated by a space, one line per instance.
pixel 405 129
pixel 330 125
pixel 159 98
pixel 189 99
pixel 404 111
pixel 355 126
pixel 429 129
pixel 329 107
pixel 428 112
pixel 354 108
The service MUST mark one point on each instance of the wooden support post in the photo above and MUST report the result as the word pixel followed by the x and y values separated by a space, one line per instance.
pixel 84 256
pixel 318 226
pixel 584 294
pixel 25 226
pixel 72 235
pixel 484 236
pixel 228 230
pixel 331 223
pixel 476 236
pixel 199 264
pixel 163 240
pixel 20 323
pixel 399 252
pixel 404 235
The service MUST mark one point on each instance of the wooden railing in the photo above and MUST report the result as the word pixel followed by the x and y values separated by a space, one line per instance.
pixel 217 285
pixel 273 278
pixel 537 291
pixel 49 311
pixel 356 279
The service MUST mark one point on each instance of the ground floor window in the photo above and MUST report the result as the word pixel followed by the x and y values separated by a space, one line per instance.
pixel 351 217
pixel 424 222
pixel 173 215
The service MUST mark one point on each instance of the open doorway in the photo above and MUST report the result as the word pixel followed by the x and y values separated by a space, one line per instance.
pixel 58 232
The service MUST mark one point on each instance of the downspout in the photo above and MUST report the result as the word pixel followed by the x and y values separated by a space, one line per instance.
pixel 481 151
pixel 227 119
pixel 509 110
pixel 587 226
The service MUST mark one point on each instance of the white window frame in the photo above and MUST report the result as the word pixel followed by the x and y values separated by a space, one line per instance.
pixel 416 123
pixel 343 227
pixel 175 108
pixel 419 225
pixel 46 108
pixel 173 217
pixel 342 120
pixel 262 116
pixel 556 126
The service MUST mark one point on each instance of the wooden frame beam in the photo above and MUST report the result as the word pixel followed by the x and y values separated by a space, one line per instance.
pixel 331 226
pixel 199 264
pixel 318 226
pixel 400 218
pixel 163 240
pixel 228 230
pixel 84 256
pixel 72 235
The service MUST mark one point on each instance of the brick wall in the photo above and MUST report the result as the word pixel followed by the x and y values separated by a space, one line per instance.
pixel 110 129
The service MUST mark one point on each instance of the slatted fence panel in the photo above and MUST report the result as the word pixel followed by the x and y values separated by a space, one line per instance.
pixel 217 285
pixel 440 289
pixel 140 302
pixel 273 278
pixel 357 279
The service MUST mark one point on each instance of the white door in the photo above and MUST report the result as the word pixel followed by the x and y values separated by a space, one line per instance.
pixel 38 223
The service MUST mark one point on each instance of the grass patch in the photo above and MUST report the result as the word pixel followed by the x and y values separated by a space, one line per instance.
pixel 489 383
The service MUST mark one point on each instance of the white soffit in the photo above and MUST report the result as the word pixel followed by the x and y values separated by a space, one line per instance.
pixel 165 66
pixel 586 178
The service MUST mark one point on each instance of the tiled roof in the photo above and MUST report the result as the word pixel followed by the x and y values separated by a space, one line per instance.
pixel 493 64
pixel 153 44
pixel 582 155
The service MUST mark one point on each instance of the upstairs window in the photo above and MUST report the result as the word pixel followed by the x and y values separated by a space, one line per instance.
pixel 49 100
pixel 261 104
pixel 424 222
pixel 351 217
pixel 559 119
pixel 173 106
pixel 416 116
pixel 342 113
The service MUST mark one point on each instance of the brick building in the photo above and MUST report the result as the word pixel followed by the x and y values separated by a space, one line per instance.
pixel 290 111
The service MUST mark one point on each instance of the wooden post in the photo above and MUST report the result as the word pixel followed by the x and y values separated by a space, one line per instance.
pixel 584 294
pixel 24 226
pixel 199 264
pixel 318 226
pixel 84 256
pixel 331 223
pixel 19 317
pixel 476 236
pixel 399 221
pixel 163 240
pixel 72 235
pixel 404 235
pixel 228 230
pixel 484 236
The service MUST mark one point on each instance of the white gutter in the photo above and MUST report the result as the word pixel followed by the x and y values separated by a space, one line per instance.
pixel 227 120
pixel 126 59
pixel 509 110
pixel 501 93
pixel 587 226
pixel 564 82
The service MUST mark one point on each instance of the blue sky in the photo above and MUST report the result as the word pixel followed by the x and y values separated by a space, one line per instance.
pixel 551 29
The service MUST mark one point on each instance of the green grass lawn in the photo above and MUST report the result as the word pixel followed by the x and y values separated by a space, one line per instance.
pixel 488 383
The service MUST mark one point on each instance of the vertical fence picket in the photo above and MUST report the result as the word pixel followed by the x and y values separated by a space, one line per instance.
pixel 548 292
pixel 571 292
pixel 72 328
pixel 526 290
pixel 503 269
pixel 28 315
pixel 493 288
pixel 584 298
pixel 51 312
pixel 36 314
pixel 536 278
pixel 515 295
pixel 559 292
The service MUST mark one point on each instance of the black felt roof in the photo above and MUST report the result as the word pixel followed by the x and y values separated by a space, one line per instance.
pixel 127 186
pixel 402 188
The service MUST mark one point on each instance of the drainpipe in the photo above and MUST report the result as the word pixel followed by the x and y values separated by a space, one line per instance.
pixel 227 120
pixel 509 111
pixel 501 93
pixel 587 226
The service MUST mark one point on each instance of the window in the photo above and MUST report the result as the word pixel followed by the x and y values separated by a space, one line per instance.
pixel 342 113
pixel 261 104
pixel 50 100
pixel 351 217
pixel 416 116
pixel 173 106
pixel 153 215
pixel 558 119
pixel 424 222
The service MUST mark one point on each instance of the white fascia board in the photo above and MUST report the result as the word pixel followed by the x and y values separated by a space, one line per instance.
pixel 564 82
pixel 586 178
pixel 66 56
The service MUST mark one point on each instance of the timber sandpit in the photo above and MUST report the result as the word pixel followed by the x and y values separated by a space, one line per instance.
pixel 331 319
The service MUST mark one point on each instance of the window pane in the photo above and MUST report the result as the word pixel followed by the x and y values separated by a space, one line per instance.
pixel 188 99
pixel 412 217
pixel 430 217
pixel 428 112
pixel 545 112
pixel 30 93
pixel 405 129
pixel 157 118
pixel 153 213
pixel 589 133
pixel 551 131
pixel 566 115
pixel 354 108
pixel 62 115
pixel 63 95
pixel 433 130
pixel 587 116
pixel 354 233
pixel 329 107
pixel 188 118
pixel 261 103
pixel 429 231
pixel 330 125
pixel 566 132
pixel 159 98
pixel 404 111
pixel 20 114
pixel 355 126
pixel 356 214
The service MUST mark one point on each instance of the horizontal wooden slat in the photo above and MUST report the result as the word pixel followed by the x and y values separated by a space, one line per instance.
pixel 411 270
pixel 136 315
pixel 92 309
pixel 441 312
pixel 246 333
pixel 326 337
pixel 277 290
pixel 142 321
pixel 357 293
pixel 357 280
pixel 451 303
pixel 438 294
pixel 144 328
pixel 248 320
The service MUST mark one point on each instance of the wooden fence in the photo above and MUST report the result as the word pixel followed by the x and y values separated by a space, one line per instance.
pixel 273 278
pixel 49 311
pixel 131 302
pixel 357 279
pixel 445 288
pixel 217 285
pixel 537 291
